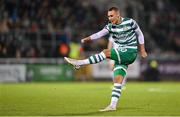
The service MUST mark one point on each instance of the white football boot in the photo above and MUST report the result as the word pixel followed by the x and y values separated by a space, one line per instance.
pixel 72 62
pixel 108 108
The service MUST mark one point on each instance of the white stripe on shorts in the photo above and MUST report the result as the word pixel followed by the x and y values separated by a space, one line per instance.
pixel 119 59
pixel 120 68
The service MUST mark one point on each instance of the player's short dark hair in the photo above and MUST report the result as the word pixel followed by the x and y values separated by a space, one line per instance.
pixel 113 9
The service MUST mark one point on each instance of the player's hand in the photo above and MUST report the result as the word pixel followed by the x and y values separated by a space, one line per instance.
pixel 84 40
pixel 142 50
pixel 143 54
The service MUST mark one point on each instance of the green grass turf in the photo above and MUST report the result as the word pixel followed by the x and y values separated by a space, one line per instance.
pixel 49 99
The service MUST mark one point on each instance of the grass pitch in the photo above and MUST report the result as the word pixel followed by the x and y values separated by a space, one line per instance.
pixel 51 99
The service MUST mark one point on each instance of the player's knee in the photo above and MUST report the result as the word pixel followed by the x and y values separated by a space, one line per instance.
pixel 118 79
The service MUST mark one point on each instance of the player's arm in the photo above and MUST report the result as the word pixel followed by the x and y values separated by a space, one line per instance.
pixel 142 50
pixel 140 36
pixel 95 36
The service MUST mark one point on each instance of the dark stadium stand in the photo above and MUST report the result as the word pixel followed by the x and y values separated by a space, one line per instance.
pixel 36 28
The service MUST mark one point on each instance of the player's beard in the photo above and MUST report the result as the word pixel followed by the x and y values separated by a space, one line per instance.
pixel 116 21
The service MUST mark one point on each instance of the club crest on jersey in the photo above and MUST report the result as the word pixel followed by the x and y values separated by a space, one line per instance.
pixel 125 28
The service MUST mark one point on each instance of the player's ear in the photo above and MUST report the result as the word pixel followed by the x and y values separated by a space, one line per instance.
pixel 118 14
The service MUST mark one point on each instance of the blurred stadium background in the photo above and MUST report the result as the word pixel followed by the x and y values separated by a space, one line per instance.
pixel 35 35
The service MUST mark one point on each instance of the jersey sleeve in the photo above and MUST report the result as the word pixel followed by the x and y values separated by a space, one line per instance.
pixel 107 27
pixel 99 34
pixel 138 31
pixel 134 24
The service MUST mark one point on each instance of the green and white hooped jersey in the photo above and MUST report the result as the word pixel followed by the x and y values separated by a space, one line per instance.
pixel 123 35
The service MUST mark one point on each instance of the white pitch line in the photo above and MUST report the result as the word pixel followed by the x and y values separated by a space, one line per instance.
pixel 161 90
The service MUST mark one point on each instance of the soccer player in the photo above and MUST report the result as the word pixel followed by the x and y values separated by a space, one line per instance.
pixel 126 36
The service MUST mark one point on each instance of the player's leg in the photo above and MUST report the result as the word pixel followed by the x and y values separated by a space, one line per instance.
pixel 125 58
pixel 119 73
pixel 122 59
pixel 91 60
pixel 116 91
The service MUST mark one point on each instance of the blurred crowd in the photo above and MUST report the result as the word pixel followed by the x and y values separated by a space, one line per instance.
pixel 162 24
pixel 48 28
